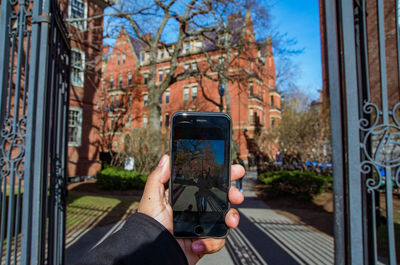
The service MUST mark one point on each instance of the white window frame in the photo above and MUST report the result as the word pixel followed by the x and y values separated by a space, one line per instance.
pixel 194 92
pixel 82 25
pixel 81 69
pixel 186 94
pixel 78 141
pixel 167 96
pixel 144 122
pixel 194 67
pixel 123 59
pixel 145 100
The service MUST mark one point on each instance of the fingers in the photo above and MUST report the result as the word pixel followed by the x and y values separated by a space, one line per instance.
pixel 154 189
pixel 235 196
pixel 208 245
pixel 232 218
pixel 159 176
pixel 237 172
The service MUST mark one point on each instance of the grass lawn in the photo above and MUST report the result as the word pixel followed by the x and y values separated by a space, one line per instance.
pixel 88 207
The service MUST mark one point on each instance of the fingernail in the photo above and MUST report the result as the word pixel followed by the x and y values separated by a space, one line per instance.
pixel 236 216
pixel 163 160
pixel 198 247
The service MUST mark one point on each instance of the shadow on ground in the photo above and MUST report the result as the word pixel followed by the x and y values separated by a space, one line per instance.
pixel 317 213
pixel 93 213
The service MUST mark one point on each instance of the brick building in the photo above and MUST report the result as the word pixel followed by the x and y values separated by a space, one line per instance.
pixel 254 102
pixel 86 42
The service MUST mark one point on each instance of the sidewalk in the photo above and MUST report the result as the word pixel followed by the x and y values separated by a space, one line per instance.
pixel 263 237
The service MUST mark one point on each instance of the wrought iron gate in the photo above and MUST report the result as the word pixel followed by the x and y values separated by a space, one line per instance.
pixel 34 78
pixel 364 73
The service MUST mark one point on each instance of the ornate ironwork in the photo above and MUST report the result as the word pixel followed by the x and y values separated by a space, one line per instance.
pixel 34 81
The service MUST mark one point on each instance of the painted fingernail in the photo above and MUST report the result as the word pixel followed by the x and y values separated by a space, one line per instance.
pixel 163 160
pixel 198 247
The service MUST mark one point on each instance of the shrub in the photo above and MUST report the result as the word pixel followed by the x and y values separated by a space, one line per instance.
pixel 114 178
pixel 298 184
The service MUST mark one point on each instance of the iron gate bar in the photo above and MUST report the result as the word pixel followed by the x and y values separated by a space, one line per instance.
pixel 26 240
pixel 352 137
pixel 337 131
pixel 385 116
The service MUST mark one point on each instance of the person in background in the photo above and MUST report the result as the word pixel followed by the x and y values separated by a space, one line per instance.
pixel 239 182
pixel 147 236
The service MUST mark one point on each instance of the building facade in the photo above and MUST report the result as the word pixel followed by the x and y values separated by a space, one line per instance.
pixel 254 102
pixel 84 120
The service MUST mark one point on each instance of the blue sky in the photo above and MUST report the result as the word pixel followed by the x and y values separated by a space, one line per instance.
pixel 300 20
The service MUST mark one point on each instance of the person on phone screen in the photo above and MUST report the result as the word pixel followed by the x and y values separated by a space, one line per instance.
pixel 147 236
pixel 203 192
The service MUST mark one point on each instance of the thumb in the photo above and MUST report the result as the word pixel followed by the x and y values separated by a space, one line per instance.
pixel 154 189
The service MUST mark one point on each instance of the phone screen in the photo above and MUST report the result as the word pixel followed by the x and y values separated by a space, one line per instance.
pixel 200 175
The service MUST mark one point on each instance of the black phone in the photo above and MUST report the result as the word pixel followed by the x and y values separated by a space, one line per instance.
pixel 200 173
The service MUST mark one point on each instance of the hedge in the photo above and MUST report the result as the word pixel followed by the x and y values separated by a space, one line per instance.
pixel 299 184
pixel 112 178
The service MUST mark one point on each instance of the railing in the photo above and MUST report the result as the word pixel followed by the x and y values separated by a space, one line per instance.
pixel 363 66
pixel 34 76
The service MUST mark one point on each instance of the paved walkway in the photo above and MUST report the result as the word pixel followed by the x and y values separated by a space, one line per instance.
pixel 263 237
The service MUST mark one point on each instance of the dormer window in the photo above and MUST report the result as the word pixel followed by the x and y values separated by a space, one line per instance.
pixel 142 57
pixel 162 54
pixel 187 47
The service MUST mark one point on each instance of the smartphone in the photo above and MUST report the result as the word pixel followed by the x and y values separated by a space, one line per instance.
pixel 200 173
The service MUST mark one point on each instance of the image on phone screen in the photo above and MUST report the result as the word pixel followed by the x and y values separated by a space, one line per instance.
pixel 200 180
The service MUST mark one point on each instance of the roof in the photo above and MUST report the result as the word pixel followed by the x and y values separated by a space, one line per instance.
pixel 138 45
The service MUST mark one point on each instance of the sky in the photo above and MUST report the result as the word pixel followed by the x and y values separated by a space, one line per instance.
pixel 300 20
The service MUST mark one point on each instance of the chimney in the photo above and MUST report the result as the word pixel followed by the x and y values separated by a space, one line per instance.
pixel 234 16
pixel 147 36
pixel 268 46
pixel 106 49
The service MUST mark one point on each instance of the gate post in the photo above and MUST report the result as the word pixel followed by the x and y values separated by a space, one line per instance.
pixel 365 126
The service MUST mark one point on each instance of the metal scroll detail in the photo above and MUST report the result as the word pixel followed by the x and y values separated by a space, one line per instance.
pixel 380 146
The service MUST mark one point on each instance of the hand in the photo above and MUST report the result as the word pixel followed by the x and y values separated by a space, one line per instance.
pixel 155 204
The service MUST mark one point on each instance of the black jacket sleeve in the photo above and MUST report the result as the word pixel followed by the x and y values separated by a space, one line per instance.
pixel 142 240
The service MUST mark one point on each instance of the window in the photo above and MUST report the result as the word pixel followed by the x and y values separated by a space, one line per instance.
pixel 161 99
pixel 118 60
pixel 130 100
pixel 145 100
pixel 78 10
pixel 112 123
pixel 272 123
pixel 142 57
pixel 186 67
pixel 272 101
pixel 160 75
pixel 167 97
pixel 198 45
pixel 166 72
pixel 166 121
pixel 194 92
pixel 78 67
pixel 123 59
pixel 146 79
pixel 144 122
pixel 74 126
pixel 187 47
pixel 117 101
pixel 129 78
pixel 162 54
pixel 251 89
pixel 194 67
pixel 120 81
pixel 251 115
pixel 111 82
pixel 185 94
pixel 221 61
